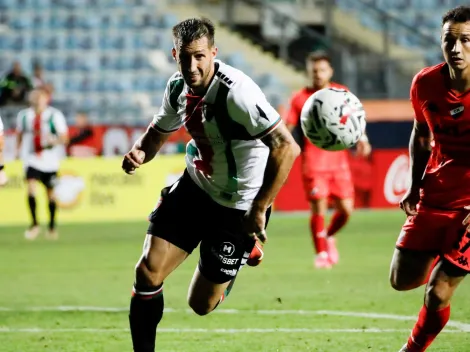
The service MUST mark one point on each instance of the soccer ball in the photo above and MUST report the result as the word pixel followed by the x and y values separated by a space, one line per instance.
pixel 333 119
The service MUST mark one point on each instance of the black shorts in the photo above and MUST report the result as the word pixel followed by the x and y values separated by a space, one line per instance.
pixel 48 179
pixel 186 216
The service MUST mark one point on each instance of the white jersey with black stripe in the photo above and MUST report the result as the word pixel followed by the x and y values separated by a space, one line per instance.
pixel 225 157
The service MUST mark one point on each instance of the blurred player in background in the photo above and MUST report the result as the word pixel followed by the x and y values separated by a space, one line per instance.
pixel 40 130
pixel 239 157
pixel 438 198
pixel 325 173
pixel 3 175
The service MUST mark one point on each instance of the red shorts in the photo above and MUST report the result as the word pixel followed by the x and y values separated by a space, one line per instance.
pixel 437 231
pixel 338 184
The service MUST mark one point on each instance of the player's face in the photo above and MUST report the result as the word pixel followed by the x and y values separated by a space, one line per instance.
pixel 455 44
pixel 319 73
pixel 196 62
pixel 39 99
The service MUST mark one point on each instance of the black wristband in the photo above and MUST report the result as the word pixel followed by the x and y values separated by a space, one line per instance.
pixel 2 167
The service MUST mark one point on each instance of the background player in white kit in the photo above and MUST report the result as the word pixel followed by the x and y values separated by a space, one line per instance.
pixel 40 130
pixel 3 175
pixel 239 157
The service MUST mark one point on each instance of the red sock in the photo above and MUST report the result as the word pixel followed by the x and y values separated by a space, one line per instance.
pixel 317 228
pixel 429 325
pixel 337 222
pixel 436 260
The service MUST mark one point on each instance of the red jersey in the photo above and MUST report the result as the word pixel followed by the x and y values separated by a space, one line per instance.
pixel 314 159
pixel 446 182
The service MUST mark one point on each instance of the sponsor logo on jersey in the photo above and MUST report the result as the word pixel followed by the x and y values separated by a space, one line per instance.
pixel 227 249
pixel 396 180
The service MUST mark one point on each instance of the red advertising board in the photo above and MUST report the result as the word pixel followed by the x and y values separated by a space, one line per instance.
pixel 379 182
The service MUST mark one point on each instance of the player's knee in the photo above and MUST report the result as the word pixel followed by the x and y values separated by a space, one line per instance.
pixel 200 307
pixel 438 295
pixel 148 276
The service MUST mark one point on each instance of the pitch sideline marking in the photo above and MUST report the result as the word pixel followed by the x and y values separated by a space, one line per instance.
pixel 463 327
pixel 215 331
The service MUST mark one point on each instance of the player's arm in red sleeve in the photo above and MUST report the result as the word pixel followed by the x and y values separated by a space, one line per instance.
pixel 420 140
pixel 419 149
pixel 293 114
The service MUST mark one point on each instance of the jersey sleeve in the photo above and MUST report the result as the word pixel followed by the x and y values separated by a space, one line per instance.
pixel 293 113
pixel 60 123
pixel 167 120
pixel 415 101
pixel 248 106
pixel 1 126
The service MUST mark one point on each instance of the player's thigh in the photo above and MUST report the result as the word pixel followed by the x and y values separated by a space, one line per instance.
pixel 342 189
pixel 316 186
pixel 444 280
pixel 409 268
pixel 49 180
pixel 418 244
pixel 32 176
pixel 159 258
pixel 171 233
pixel 223 253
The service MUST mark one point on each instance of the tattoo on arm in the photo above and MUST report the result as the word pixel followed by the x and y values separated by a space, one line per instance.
pixel 277 138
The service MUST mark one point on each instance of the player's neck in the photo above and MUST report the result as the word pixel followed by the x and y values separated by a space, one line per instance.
pixel 39 109
pixel 460 80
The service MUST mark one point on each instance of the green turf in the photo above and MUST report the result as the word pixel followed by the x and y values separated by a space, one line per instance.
pixel 92 265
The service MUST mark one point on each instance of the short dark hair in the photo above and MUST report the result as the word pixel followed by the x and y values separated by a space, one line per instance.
pixel 460 14
pixel 193 29
pixel 319 55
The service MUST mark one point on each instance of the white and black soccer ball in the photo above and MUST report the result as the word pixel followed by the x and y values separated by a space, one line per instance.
pixel 333 119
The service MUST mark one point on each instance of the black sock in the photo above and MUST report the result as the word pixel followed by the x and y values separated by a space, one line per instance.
pixel 146 311
pixel 52 208
pixel 32 209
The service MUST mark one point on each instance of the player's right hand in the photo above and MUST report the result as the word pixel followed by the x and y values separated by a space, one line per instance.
pixel 132 161
pixel 410 201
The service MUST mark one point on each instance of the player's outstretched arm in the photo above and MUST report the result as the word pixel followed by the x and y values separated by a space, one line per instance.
pixel 144 149
pixel 283 151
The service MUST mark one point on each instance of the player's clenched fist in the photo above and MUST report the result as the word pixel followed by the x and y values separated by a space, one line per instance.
pixel 133 160
pixel 410 201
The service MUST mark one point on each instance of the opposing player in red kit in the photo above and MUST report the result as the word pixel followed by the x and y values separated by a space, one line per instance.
pixel 438 198
pixel 325 173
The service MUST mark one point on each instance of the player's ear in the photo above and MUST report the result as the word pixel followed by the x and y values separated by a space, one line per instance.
pixel 214 51
pixel 173 53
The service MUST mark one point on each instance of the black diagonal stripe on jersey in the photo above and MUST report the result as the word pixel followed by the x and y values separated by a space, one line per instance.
pixel 176 87
pixel 262 113
pixel 224 124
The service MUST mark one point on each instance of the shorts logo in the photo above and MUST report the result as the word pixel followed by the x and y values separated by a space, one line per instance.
pixel 227 249
pixel 314 191
pixel 231 272
pixel 462 261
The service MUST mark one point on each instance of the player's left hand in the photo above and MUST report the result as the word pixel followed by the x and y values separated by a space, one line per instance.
pixel 363 148
pixel 466 221
pixel 255 223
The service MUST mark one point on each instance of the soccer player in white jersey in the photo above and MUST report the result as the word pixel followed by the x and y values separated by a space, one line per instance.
pixel 3 175
pixel 239 157
pixel 40 130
